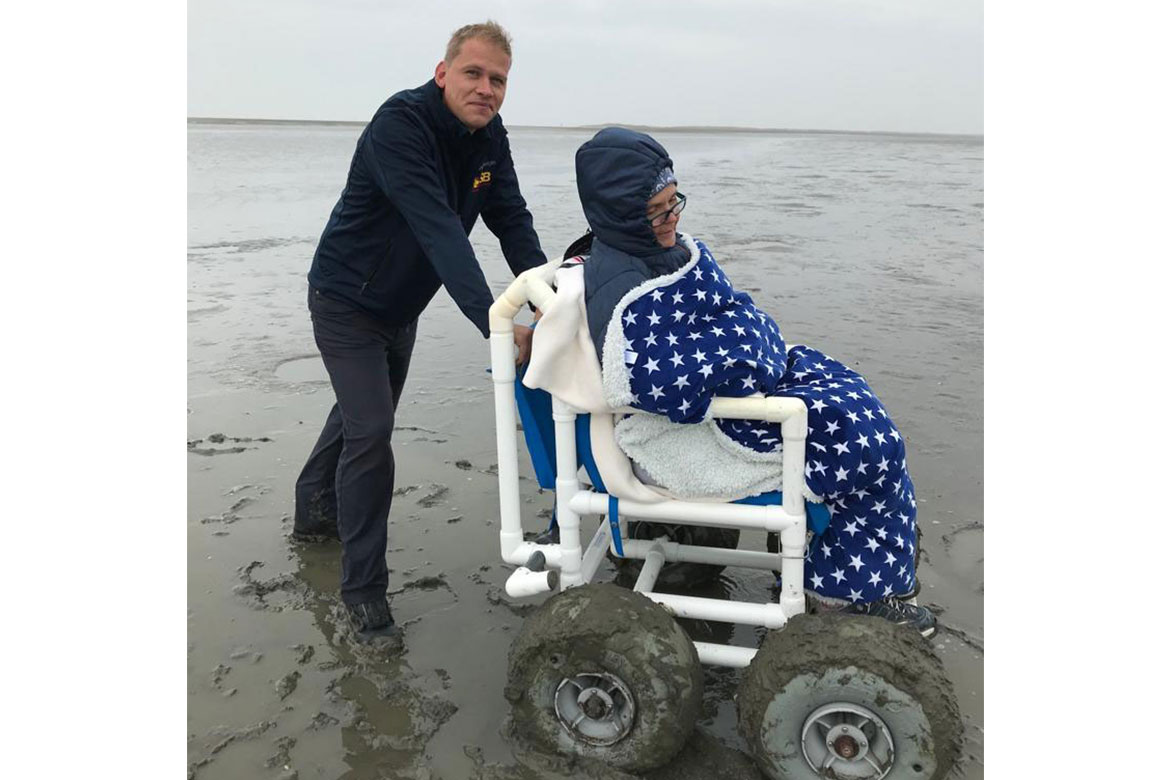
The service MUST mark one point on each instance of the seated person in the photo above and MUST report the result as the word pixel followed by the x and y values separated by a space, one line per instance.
pixel 671 333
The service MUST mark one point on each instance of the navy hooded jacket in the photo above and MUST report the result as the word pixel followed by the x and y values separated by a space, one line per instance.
pixel 616 171
pixel 418 181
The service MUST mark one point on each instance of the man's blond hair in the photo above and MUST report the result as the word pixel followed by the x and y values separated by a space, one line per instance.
pixel 488 31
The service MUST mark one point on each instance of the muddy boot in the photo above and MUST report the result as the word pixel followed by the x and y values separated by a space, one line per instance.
pixel 904 613
pixel 374 625
pixel 891 608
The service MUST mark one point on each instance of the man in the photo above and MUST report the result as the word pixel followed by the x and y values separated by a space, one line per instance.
pixel 430 162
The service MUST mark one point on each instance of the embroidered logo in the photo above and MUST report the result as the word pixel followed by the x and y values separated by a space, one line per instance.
pixel 482 180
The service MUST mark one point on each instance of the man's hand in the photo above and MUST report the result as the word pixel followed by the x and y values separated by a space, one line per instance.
pixel 522 337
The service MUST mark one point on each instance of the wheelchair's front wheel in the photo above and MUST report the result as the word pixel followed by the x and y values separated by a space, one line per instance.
pixel 848 696
pixel 605 674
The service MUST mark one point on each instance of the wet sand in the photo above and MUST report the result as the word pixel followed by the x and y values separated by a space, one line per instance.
pixel 869 250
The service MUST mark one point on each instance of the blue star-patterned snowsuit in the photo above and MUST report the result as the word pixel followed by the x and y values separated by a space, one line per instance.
pixel 690 336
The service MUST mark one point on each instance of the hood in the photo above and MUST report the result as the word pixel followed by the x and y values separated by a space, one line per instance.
pixel 616 169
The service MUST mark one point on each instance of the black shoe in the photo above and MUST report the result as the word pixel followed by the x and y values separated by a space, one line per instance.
pixel 373 624
pixel 897 611
pixel 912 594
pixel 318 521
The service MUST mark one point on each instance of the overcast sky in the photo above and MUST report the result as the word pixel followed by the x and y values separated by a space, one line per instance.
pixel 898 65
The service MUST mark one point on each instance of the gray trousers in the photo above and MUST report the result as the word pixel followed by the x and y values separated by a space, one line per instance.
pixel 349 476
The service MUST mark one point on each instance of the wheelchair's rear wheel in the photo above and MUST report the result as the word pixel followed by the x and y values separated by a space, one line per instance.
pixel 677 574
pixel 605 674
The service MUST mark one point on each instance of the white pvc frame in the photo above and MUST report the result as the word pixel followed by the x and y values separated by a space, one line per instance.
pixel 569 565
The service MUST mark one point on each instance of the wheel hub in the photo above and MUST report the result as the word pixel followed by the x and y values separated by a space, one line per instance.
pixel 844 741
pixel 846 747
pixel 595 707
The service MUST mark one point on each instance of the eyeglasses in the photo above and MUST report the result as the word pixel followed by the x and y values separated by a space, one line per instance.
pixel 676 209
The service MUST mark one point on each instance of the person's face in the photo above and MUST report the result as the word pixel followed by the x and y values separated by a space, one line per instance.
pixel 664 200
pixel 474 82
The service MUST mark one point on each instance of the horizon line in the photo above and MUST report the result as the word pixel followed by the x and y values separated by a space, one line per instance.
pixel 658 128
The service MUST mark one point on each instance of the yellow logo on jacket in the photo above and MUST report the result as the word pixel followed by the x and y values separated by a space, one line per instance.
pixel 481 180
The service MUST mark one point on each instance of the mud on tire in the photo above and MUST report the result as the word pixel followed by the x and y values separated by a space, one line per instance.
pixel 861 693
pixel 618 664
pixel 677 574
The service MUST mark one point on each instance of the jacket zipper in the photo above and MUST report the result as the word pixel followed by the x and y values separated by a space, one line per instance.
pixel 377 268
